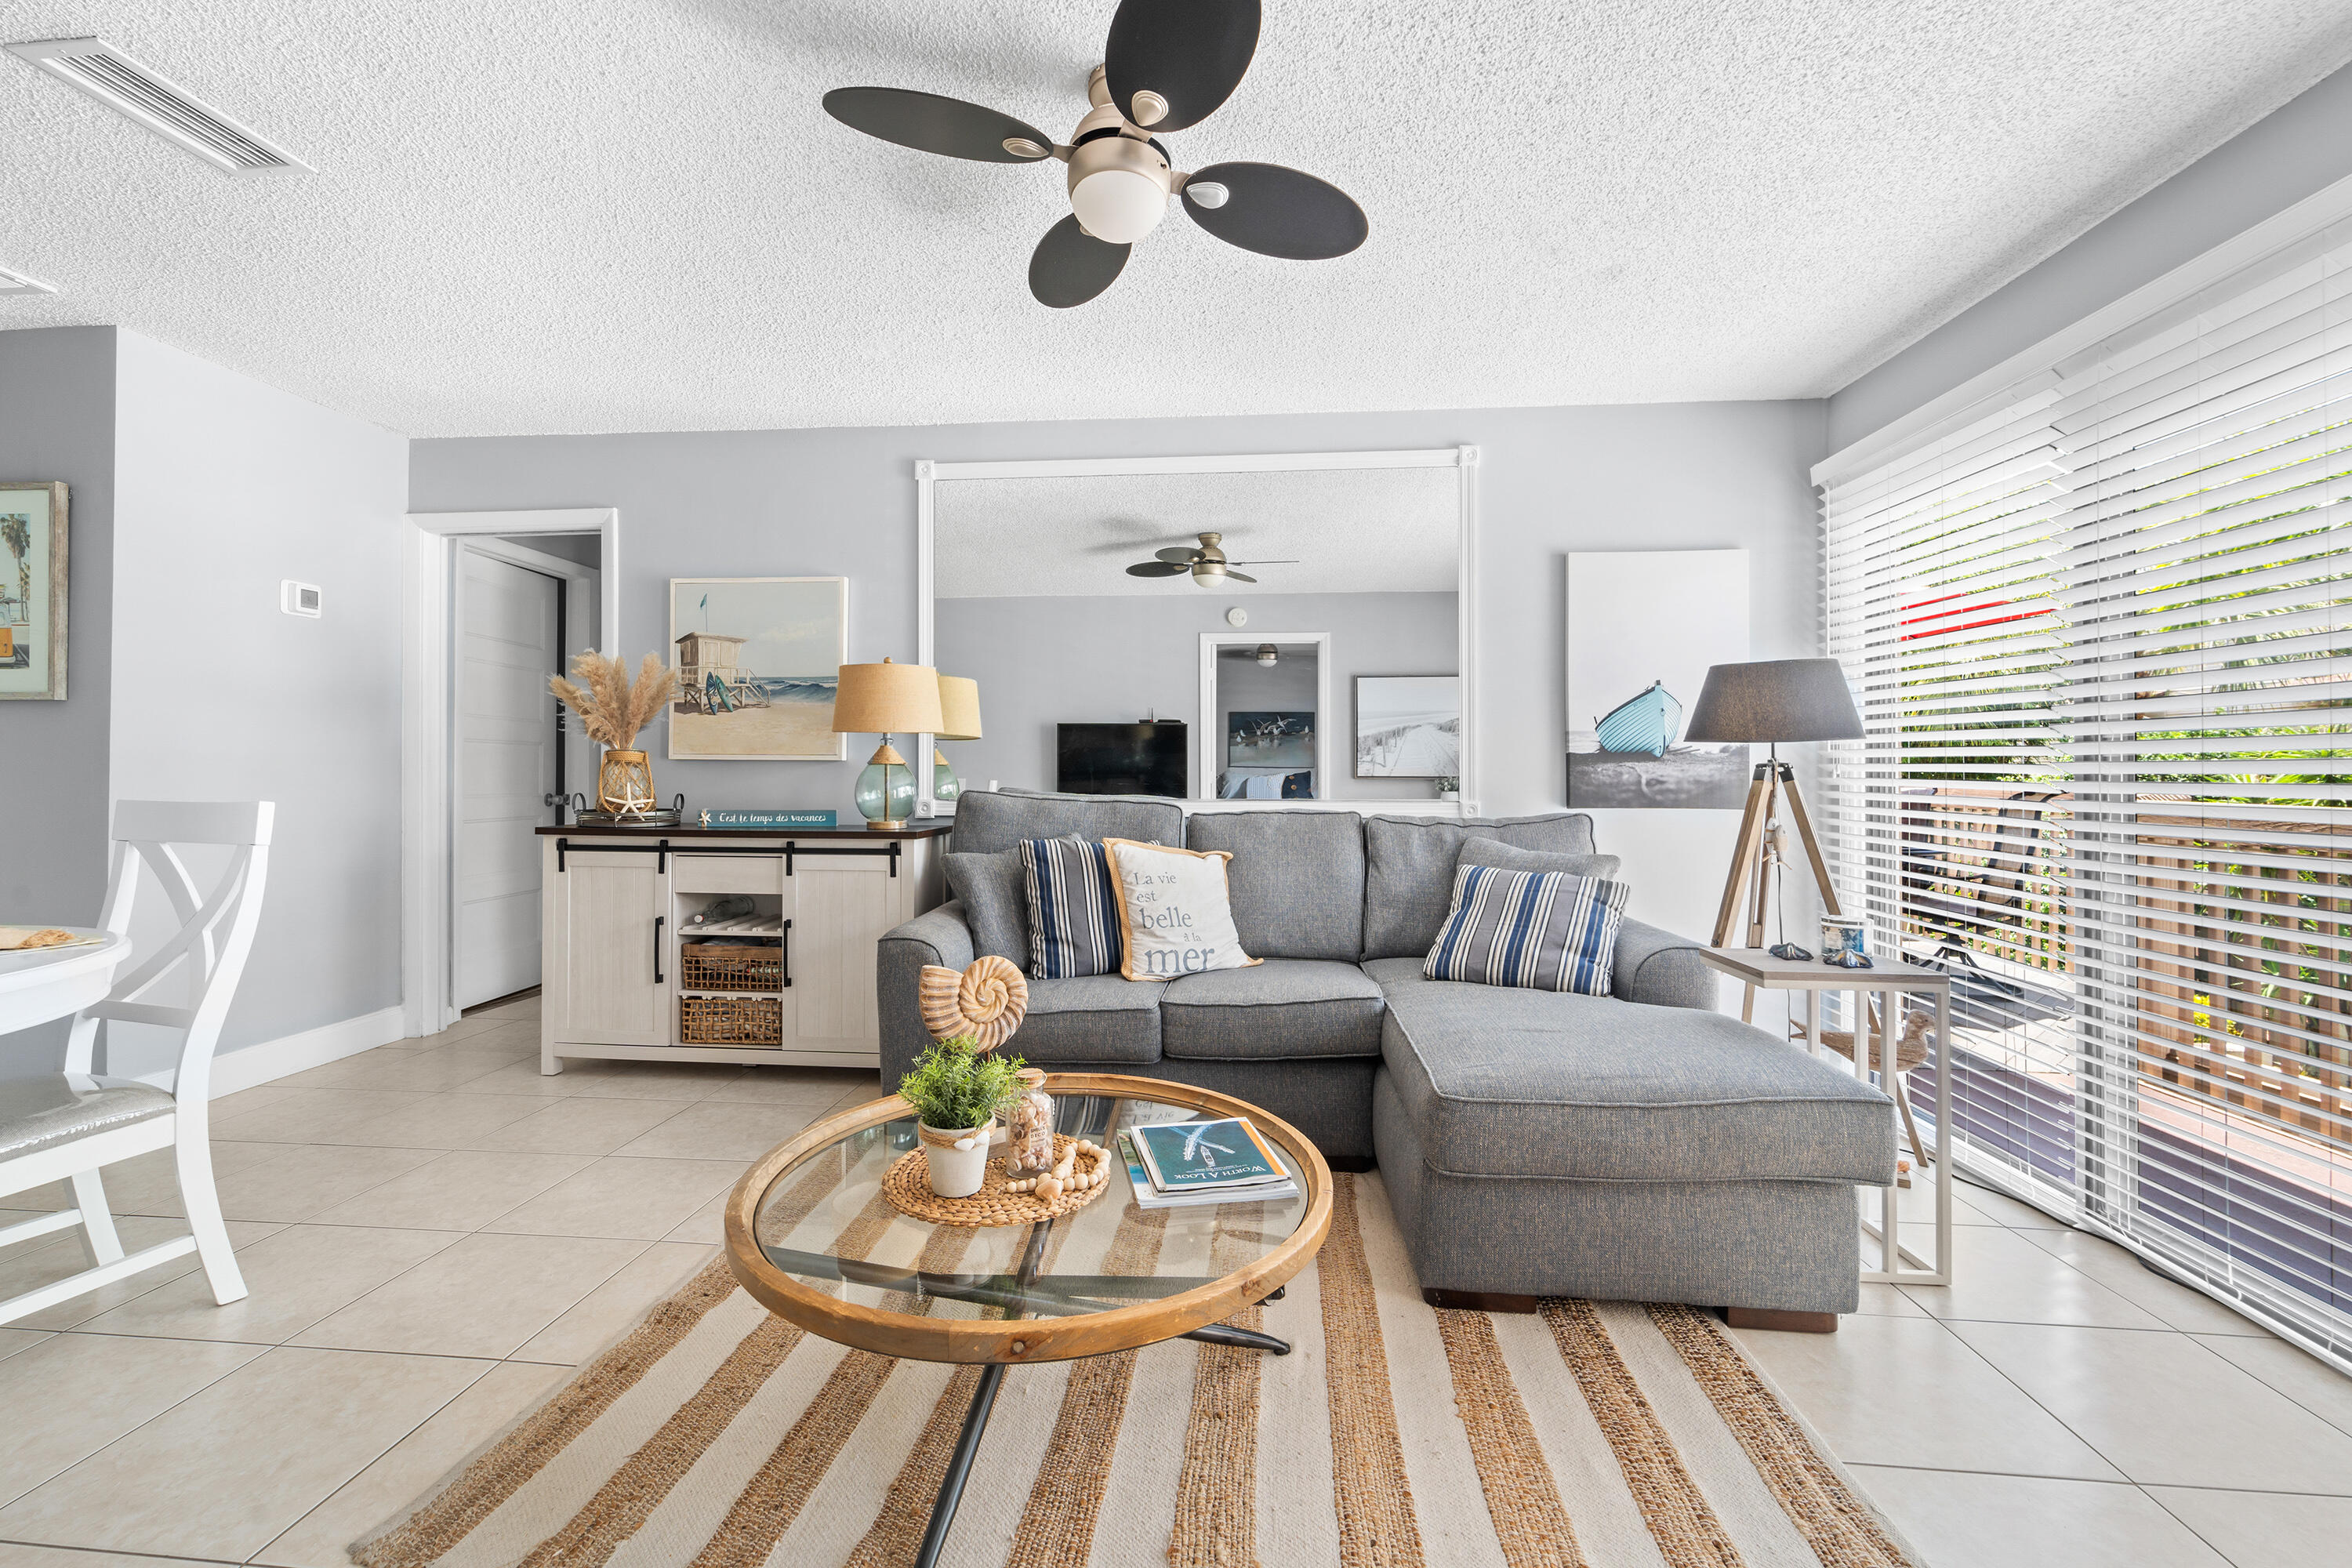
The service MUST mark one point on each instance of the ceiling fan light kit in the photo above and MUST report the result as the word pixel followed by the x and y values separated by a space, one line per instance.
pixel 1167 64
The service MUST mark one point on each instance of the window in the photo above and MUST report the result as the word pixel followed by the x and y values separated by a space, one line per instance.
pixel 2102 636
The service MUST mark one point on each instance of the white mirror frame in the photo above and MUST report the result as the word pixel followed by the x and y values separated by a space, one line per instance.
pixel 1463 459
pixel 1212 736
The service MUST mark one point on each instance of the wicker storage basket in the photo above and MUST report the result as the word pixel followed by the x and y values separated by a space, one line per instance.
pixel 720 966
pixel 730 1020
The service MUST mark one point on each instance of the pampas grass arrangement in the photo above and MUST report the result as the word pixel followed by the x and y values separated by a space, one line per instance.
pixel 610 707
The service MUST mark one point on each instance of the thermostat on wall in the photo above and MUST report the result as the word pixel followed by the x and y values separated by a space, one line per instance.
pixel 1236 616
pixel 298 598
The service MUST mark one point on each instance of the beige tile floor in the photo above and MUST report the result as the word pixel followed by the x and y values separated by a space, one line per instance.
pixel 434 1235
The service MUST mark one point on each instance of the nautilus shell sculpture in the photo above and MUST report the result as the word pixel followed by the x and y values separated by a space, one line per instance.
pixel 986 1000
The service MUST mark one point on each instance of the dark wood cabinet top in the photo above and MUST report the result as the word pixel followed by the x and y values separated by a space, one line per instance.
pixel 603 830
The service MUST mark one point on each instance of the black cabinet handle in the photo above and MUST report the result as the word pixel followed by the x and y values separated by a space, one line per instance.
pixel 658 920
pixel 788 955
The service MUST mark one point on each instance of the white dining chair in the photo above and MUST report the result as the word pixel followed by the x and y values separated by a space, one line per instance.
pixel 65 1126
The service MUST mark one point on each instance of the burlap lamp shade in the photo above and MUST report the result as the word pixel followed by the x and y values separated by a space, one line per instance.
pixel 886 699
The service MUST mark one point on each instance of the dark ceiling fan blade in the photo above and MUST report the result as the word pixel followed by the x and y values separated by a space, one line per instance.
pixel 1261 563
pixel 929 123
pixel 1177 553
pixel 1158 569
pixel 1070 266
pixel 1239 577
pixel 1190 53
pixel 1276 210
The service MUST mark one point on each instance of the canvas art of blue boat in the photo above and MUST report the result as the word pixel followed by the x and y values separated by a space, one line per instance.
pixel 1646 723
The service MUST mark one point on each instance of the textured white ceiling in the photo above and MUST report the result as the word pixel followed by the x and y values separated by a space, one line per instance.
pixel 634 215
pixel 1349 531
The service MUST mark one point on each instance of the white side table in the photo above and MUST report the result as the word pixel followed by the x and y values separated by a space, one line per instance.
pixel 45 982
pixel 1888 980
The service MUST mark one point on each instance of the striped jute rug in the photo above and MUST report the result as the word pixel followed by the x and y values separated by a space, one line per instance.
pixel 1599 1434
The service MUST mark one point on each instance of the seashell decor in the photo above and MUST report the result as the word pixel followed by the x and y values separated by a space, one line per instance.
pixel 986 1000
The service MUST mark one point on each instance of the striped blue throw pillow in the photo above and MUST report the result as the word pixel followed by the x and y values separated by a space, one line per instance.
pixel 1542 931
pixel 1073 909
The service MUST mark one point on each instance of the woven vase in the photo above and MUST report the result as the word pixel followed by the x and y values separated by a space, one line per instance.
pixel 625 784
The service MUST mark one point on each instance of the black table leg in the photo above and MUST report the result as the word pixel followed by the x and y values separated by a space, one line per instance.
pixel 975 1419
pixel 1248 1339
pixel 975 1422
pixel 1277 1293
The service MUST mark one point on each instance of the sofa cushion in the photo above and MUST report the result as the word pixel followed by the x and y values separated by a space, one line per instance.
pixel 994 892
pixel 1511 858
pixel 988 821
pixel 1099 1018
pixel 1283 1007
pixel 1297 880
pixel 1408 869
pixel 1552 1084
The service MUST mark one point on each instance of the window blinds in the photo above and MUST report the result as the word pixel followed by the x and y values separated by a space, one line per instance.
pixel 2100 639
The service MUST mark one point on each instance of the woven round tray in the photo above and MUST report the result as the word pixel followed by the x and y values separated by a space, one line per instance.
pixel 907 1186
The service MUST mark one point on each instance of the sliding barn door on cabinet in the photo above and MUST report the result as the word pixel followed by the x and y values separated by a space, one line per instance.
pixel 843 905
pixel 609 945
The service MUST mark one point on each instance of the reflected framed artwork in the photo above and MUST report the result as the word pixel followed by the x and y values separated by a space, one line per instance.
pixel 757 659
pixel 32 591
pixel 1408 726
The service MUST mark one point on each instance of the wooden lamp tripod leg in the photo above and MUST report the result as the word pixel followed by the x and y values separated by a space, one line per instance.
pixel 1745 853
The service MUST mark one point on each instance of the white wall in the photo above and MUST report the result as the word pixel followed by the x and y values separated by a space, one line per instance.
pixel 223 487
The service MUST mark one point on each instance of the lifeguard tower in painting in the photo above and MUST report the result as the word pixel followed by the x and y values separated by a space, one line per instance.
pixel 709 679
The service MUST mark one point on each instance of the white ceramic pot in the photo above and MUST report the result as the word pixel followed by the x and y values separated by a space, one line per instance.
pixel 957 1160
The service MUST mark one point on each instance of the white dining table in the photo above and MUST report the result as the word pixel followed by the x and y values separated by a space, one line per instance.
pixel 45 983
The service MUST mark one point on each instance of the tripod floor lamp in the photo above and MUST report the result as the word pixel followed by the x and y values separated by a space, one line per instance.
pixel 1771 702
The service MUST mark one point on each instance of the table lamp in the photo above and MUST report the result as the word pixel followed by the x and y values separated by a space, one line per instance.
pixel 1772 700
pixel 959 721
pixel 886 699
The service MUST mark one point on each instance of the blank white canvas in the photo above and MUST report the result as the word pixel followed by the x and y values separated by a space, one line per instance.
pixel 1638 615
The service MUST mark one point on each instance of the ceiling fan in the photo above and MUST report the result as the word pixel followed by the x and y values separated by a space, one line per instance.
pixel 1167 65
pixel 1207 564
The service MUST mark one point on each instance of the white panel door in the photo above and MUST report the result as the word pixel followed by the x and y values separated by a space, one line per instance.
pixel 505 769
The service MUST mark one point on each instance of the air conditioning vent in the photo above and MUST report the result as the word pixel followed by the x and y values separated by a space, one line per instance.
pixel 18 283
pixel 131 89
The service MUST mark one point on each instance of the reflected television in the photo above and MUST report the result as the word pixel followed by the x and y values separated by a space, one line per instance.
pixel 1121 759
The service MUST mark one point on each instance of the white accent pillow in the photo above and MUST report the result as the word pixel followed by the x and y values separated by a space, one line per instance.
pixel 1175 916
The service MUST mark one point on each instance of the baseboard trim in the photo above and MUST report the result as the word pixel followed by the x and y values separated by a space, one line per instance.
pixel 248 1066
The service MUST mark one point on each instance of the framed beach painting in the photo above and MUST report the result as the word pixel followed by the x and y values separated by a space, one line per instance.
pixel 32 591
pixel 1643 627
pixel 1408 726
pixel 757 660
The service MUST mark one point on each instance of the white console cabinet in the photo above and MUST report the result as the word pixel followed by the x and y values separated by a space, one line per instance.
pixel 651 954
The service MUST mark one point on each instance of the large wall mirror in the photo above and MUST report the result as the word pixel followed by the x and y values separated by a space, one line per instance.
pixel 1270 630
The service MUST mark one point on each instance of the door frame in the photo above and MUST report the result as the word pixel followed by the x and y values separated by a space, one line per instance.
pixel 427 692
pixel 579 586
pixel 1210 736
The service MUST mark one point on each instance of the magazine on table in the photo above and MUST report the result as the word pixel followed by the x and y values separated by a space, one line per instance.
pixel 1148 1197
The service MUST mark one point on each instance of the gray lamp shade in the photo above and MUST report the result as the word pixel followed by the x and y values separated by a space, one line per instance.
pixel 1775 699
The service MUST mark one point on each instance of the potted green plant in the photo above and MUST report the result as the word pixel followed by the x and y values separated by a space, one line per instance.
pixel 955 1089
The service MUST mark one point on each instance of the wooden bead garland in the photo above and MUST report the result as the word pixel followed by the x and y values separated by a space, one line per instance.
pixel 1065 1176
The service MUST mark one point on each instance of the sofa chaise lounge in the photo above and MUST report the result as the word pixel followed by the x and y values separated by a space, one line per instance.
pixel 1638 1146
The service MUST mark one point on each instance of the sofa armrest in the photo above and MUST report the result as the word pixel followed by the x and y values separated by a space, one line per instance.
pixel 1661 969
pixel 940 937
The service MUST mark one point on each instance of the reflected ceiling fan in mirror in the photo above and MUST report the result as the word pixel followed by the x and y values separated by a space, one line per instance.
pixel 1207 564
pixel 1167 65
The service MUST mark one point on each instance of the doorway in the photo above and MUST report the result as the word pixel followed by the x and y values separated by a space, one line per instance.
pixel 513 607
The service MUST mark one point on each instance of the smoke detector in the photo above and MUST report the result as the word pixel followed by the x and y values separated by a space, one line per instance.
pixel 19 283
pixel 97 68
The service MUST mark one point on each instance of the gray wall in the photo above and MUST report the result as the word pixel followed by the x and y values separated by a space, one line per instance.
pixel 580 549
pixel 1043 661
pixel 808 502
pixel 2301 148
pixel 57 422
pixel 225 487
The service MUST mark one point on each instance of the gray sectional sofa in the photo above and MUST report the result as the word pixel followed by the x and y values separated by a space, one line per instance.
pixel 1639 1146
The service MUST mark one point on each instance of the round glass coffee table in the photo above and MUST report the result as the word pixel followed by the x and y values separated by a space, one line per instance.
pixel 811 1238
